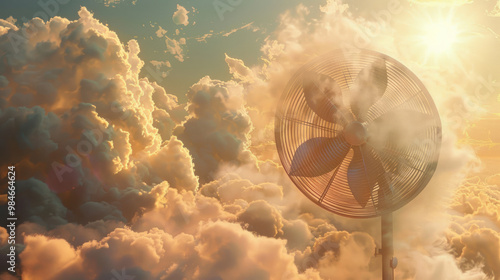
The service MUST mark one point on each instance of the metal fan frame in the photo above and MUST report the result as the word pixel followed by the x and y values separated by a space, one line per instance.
pixel 426 174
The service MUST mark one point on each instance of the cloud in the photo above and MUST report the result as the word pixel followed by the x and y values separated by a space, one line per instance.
pixel 174 47
pixel 116 163
pixel 473 236
pixel 180 17
pixel 239 71
pixel 218 126
pixel 6 25
pixel 161 65
pixel 42 205
pixel 31 129
pixel 211 33
pixel 246 26
pixel 350 258
pixel 83 136
pixel 173 164
pixel 57 254
pixel 222 250
pixel 142 189
pixel 496 10
pixel 111 3
pixel 261 218
pixel 160 32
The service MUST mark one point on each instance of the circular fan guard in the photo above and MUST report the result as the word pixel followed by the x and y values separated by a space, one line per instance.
pixel 358 133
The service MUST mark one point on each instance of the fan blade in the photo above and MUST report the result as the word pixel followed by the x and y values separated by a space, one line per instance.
pixel 397 128
pixel 324 96
pixel 363 173
pixel 318 156
pixel 368 88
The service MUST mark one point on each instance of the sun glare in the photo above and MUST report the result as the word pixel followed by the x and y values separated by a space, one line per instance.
pixel 440 36
pixel 434 35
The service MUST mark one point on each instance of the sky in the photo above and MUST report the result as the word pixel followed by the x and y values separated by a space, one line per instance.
pixel 217 19
pixel 142 135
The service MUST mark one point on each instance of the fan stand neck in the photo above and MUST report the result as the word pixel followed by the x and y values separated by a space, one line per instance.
pixel 389 263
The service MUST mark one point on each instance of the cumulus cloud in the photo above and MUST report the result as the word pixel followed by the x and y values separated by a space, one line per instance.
pixel 83 134
pixel 58 251
pixel 6 25
pixel 261 218
pixel 119 180
pixel 173 164
pixel 239 70
pixel 180 17
pixel 43 207
pixel 473 236
pixel 218 126
pixel 102 155
pixel 219 250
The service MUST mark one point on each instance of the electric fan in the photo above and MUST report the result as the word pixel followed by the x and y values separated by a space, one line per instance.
pixel 359 135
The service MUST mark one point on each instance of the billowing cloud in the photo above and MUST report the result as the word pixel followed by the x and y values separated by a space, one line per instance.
pixel 58 251
pixel 180 17
pixel 218 126
pixel 6 25
pixel 185 237
pixel 172 163
pixel 119 182
pixel 219 250
pixel 261 218
pixel 84 134
pixel 239 71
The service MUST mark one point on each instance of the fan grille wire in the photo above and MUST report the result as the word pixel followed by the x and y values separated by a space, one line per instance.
pixel 409 168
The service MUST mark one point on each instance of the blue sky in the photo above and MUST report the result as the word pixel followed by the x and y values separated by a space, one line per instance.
pixel 141 19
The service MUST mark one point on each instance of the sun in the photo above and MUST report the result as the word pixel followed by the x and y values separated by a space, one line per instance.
pixel 440 36
pixel 434 35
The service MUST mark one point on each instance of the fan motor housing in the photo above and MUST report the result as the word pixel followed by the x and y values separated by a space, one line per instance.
pixel 355 133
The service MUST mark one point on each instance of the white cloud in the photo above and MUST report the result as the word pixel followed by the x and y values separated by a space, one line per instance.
pixel 246 26
pixel 111 3
pixel 247 218
pixel 496 10
pixel 175 48
pixel 180 17
pixel 239 71
pixel 160 32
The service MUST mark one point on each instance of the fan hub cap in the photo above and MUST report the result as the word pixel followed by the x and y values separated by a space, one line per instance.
pixel 355 133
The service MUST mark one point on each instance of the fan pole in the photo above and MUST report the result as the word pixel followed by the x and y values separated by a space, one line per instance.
pixel 387 248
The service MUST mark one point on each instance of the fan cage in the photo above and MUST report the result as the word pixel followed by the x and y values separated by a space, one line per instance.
pixel 295 123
